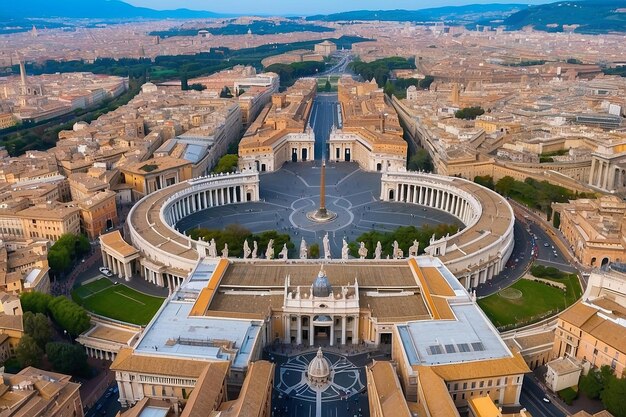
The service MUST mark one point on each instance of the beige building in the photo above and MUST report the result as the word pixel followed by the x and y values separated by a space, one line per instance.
pixel 384 391
pixel 37 393
pixel 7 120
pixel 369 131
pixel 11 325
pixel 595 229
pixel 562 373
pixel 592 329
pixel 325 48
pixel 209 396
pixel 50 220
pixel 439 338
pixel 154 174
pixel 281 132
pixel 98 213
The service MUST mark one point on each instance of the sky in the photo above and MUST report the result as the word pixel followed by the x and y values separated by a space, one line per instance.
pixel 308 7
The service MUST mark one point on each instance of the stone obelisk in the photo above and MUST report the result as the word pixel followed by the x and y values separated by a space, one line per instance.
pixel 322 215
pixel 321 212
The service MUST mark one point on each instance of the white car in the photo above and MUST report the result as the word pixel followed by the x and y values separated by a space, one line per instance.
pixel 105 271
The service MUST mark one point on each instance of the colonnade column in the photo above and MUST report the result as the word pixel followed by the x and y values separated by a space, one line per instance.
pixel 299 327
pixel 287 338
pixel 355 330
pixel 311 329
pixel 343 330
pixel 332 330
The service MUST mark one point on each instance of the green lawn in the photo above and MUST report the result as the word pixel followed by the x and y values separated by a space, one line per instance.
pixel 118 302
pixel 538 301
pixel 91 288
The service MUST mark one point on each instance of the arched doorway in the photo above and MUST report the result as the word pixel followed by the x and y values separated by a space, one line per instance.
pixel 391 195
pixel 294 155
pixel 593 261
pixel 605 261
pixel 379 167
pixel 263 169
pixel 347 155
pixel 305 154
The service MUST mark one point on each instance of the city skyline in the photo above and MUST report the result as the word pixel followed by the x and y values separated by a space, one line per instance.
pixel 285 7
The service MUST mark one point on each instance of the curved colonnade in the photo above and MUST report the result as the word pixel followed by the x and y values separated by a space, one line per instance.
pixel 164 256
pixel 479 251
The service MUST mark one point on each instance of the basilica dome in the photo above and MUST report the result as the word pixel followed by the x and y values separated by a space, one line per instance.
pixel 319 369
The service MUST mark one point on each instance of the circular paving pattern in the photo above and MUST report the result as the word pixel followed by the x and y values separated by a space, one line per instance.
pixel 346 379
pixel 289 194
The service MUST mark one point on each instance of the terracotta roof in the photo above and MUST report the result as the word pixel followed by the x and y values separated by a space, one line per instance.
pixel 436 395
pixel 252 397
pixel 116 242
pixel 586 318
pixel 11 322
pixel 514 365
pixel 127 361
pixel 388 390
pixel 207 392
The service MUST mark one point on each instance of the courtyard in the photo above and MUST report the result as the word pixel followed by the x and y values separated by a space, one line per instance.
pixel 288 194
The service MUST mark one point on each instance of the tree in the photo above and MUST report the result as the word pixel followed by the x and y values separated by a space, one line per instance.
pixel 66 250
pixel 505 185
pixel 225 93
pixel 327 87
pixel 36 302
pixel 184 83
pixel 469 113
pixel 556 220
pixel 314 251
pixel 38 327
pixel 421 161
pixel 69 315
pixel 485 181
pixel 197 87
pixel 590 385
pixel 613 396
pixel 67 359
pixel 59 260
pixel 28 352
pixel 227 163
pixel 389 88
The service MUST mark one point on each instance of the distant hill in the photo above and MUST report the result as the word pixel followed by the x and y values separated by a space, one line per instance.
pixel 592 16
pixel 459 14
pixel 96 9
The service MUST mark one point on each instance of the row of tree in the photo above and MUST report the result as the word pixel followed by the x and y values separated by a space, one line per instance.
pixel 65 358
pixel 227 163
pixel 404 235
pixel 67 314
pixel 234 235
pixel 289 73
pixel 68 249
pixel 535 194
pixel 379 69
pixel 604 385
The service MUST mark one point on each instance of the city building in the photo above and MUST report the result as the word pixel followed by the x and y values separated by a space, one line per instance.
pixel 281 133
pixel 36 393
pixel 563 373
pixel 595 229
pixel 151 175
pixel 98 213
pixel 369 132
pixel 11 324
pixel 325 48
pixel 591 331
pixel 440 340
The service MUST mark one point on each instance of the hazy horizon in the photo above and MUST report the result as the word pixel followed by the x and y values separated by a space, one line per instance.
pixel 283 7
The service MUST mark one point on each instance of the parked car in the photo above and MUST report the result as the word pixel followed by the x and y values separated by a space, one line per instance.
pixel 105 271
